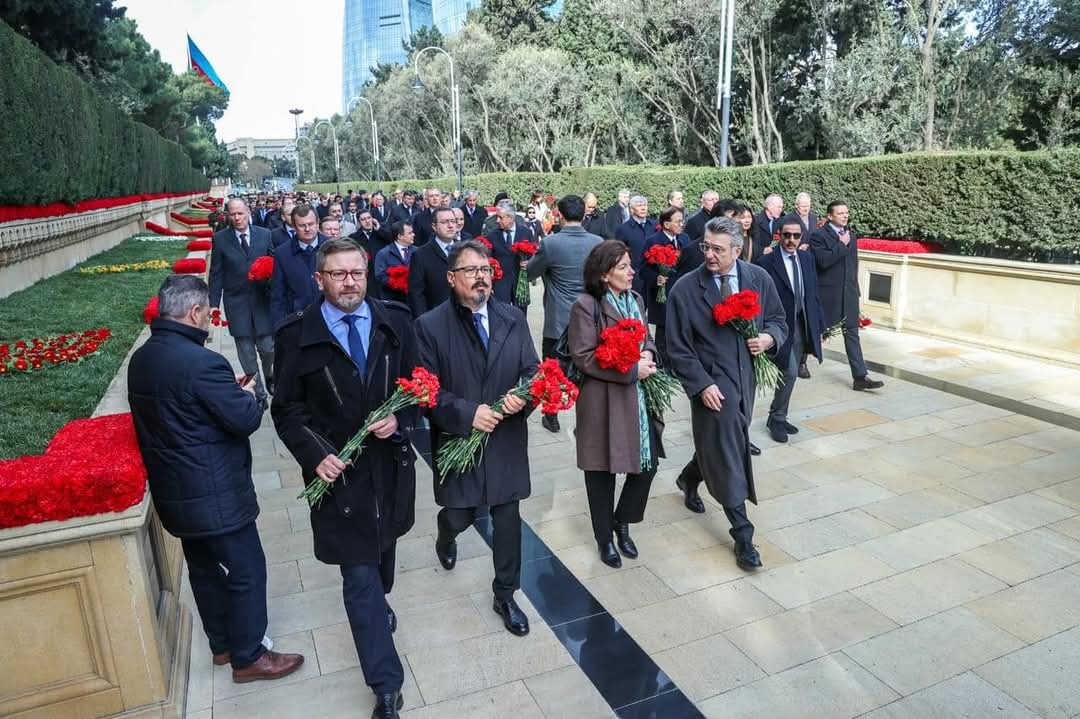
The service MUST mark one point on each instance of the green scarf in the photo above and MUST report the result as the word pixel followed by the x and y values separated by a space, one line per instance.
pixel 628 308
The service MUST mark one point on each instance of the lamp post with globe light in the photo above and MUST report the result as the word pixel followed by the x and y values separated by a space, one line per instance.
pixel 455 105
pixel 374 132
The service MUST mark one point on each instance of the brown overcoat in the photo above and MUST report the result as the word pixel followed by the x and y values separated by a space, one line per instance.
pixel 607 433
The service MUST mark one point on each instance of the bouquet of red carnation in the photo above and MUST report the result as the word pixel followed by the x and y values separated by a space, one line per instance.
pixel 397 278
pixel 261 269
pixel 548 389
pixel 189 265
pixel 496 269
pixel 422 389
pixel 150 312
pixel 864 321
pixel 664 257
pixel 523 249
pixel 739 310
pixel 215 318
pixel 620 349
pixel 485 242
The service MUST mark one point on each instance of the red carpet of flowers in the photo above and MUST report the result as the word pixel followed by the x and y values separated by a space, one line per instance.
pixel 189 221
pixel 189 265
pixel 907 247
pixel 261 269
pixel 200 245
pixel 55 209
pixel 160 230
pixel 620 345
pixel 397 278
pixel 91 466
pixel 24 356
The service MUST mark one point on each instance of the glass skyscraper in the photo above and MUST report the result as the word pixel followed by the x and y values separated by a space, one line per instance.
pixel 373 34
pixel 449 15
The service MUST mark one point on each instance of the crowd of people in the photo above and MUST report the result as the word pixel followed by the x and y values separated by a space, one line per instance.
pixel 322 341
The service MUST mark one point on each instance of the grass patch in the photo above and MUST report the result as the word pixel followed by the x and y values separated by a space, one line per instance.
pixel 35 405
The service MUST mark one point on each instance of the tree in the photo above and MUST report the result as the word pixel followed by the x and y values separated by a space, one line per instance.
pixel 71 32
pixel 283 167
pixel 255 170
pixel 513 23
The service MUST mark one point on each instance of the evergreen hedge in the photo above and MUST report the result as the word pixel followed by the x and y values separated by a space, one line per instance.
pixel 61 142
pixel 1005 204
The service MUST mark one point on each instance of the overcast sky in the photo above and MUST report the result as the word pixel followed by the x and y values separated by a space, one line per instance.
pixel 269 55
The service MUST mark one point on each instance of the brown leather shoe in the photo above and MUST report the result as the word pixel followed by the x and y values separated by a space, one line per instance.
pixel 222 659
pixel 271 665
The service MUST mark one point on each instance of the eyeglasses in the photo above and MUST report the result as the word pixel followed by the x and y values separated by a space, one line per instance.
pixel 715 249
pixel 791 235
pixel 471 272
pixel 340 275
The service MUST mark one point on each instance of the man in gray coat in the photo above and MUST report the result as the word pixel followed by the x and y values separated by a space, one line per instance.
pixel 561 262
pixel 715 365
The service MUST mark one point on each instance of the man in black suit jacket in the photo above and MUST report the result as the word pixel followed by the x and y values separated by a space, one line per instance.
pixel 505 234
pixel 428 285
pixel 405 210
pixel 836 253
pixel 669 234
pixel 794 274
pixel 766 225
pixel 617 214
pixel 695 223
pixel 424 220
pixel 379 211
pixel 634 233
pixel 282 233
pixel 247 303
pixel 371 238
pixel 474 214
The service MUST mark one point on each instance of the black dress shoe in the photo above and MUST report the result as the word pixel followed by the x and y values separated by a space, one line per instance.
pixel 691 499
pixel 790 428
pixel 513 618
pixel 803 372
pixel 754 449
pixel 864 383
pixel 550 422
pixel 446 551
pixel 387 705
pixel 746 556
pixel 391 619
pixel 624 542
pixel 609 555
pixel 777 432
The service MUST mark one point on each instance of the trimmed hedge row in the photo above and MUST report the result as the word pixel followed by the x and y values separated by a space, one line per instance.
pixel 1007 204
pixel 61 142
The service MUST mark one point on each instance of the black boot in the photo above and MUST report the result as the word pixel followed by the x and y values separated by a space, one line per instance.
pixel 691 498
pixel 624 542
pixel 387 705
pixel 446 550
pixel 609 555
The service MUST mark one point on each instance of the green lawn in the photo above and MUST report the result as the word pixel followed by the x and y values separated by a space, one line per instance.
pixel 36 404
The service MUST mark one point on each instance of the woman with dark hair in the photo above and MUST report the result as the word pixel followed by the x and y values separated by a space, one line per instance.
pixel 615 432
pixel 745 217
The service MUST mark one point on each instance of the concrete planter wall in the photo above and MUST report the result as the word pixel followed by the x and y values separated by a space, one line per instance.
pixel 1020 307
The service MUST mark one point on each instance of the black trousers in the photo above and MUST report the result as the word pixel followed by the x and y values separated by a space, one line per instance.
pixel 365 605
pixel 600 488
pixel 505 542
pixel 387 565
pixel 742 529
pixel 853 350
pixel 547 347
pixel 232 603
pixel 660 338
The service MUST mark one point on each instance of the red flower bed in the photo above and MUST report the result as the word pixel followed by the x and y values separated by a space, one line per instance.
pixel 200 245
pixel 189 221
pixel 261 269
pixel 189 265
pixel 40 352
pixel 904 247
pixel 160 230
pixel 91 466
pixel 397 278
pixel 9 213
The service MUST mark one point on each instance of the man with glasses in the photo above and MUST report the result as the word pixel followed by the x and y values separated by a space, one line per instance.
pixel 480 348
pixel 670 235
pixel 508 230
pixel 293 286
pixel 428 266
pixel 793 273
pixel 338 362
pixel 714 363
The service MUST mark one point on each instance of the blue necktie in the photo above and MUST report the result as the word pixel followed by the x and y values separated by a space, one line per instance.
pixel 356 345
pixel 478 320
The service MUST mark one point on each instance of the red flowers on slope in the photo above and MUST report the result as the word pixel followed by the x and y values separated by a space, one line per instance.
pixel 38 352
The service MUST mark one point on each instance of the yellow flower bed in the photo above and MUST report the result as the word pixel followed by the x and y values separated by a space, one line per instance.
pixel 129 267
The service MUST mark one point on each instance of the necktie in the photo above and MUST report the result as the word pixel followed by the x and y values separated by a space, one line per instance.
pixel 797 283
pixel 356 344
pixel 478 320
pixel 725 286
pixel 405 255
pixel 244 242
pixel 506 238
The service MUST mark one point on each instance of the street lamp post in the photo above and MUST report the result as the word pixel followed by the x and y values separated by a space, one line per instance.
pixel 337 154
pixel 296 113
pixel 455 106
pixel 723 82
pixel 374 132
pixel 311 146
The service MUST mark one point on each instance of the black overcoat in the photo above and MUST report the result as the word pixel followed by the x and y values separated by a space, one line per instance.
pixel 246 303
pixel 451 348
pixel 321 400
pixel 838 275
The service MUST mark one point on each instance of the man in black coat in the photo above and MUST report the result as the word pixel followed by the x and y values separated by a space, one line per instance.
pixel 508 231
pixel 424 220
pixel 428 266
pixel 766 225
pixel 407 209
pixel 379 211
pixel 370 237
pixel 617 214
pixel 594 222
pixel 474 214
pixel 695 223
pixel 247 303
pixel 339 360
pixel 480 349
pixel 836 253
pixel 793 273
pixel 284 231
pixel 634 233
pixel 293 286
pixel 670 234
pixel 193 420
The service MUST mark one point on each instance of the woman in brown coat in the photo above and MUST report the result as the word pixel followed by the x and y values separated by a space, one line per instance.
pixel 615 434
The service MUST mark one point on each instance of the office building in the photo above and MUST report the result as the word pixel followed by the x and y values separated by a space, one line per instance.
pixel 374 34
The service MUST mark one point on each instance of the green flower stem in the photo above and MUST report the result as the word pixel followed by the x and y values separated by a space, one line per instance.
pixel 659 388
pixel 460 454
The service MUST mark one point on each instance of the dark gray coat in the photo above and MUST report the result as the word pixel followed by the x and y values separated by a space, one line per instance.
pixel 450 347
pixel 702 353
pixel 838 275
pixel 247 303
pixel 561 262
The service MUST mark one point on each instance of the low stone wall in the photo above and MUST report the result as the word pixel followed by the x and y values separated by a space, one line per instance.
pixel 1020 307
pixel 31 250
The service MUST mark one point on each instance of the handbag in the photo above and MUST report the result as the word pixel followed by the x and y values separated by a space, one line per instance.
pixel 562 349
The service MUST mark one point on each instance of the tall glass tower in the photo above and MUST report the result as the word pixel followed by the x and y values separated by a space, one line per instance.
pixel 373 33
pixel 449 15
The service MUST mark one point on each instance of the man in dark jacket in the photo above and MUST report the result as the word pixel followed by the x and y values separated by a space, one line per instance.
pixel 428 287
pixel 617 214
pixel 836 252
pixel 507 231
pixel 339 360
pixel 293 287
pixel 634 233
pixel 474 214
pixel 670 235
pixel 193 420
pixel 766 225
pixel 695 223
pixel 480 349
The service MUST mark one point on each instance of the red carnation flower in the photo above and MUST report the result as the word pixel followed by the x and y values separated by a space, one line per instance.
pixel 189 265
pixel 485 242
pixel 150 312
pixel 524 248
pixel 496 269
pixel 397 278
pixel 261 269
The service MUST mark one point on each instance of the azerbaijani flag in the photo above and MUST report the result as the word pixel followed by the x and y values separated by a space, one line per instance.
pixel 201 65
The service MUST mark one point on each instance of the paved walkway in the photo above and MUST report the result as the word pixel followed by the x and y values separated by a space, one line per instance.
pixel 922 555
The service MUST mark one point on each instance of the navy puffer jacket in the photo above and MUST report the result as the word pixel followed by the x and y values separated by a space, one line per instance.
pixel 193 422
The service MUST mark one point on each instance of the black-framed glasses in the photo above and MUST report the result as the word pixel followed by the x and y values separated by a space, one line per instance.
pixel 791 235
pixel 340 275
pixel 472 271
